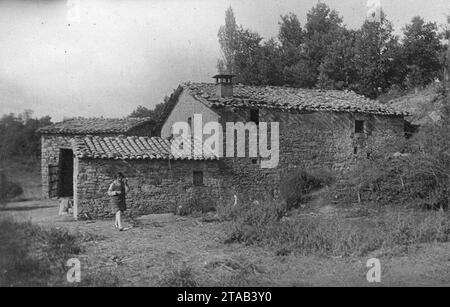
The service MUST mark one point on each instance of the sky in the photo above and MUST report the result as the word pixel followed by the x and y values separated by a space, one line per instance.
pixel 92 58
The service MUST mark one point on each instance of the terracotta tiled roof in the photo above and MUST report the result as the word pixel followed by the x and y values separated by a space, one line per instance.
pixel 286 98
pixel 94 126
pixel 134 148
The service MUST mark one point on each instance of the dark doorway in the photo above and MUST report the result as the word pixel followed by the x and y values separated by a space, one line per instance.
pixel 66 173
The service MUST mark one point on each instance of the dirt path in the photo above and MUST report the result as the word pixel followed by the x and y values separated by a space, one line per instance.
pixel 160 243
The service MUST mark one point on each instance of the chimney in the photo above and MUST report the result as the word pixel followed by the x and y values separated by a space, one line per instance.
pixel 224 86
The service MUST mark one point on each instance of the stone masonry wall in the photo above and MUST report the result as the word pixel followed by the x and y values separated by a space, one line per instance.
pixel 314 141
pixel 52 143
pixel 50 148
pixel 155 186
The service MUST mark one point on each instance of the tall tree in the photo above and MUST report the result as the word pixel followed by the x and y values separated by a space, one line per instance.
pixel 323 27
pixel 291 33
pixel 422 52
pixel 321 31
pixel 270 64
pixel 338 69
pixel 246 56
pixel 291 37
pixel 377 57
pixel 228 40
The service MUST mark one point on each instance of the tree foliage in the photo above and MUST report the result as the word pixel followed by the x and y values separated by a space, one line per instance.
pixel 323 53
pixel 18 135
pixel 422 50
pixel 377 57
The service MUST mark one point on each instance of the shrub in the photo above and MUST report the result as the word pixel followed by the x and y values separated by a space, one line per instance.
pixel 336 236
pixel 8 189
pixel 420 177
pixel 34 256
pixel 297 184
pixel 179 277
pixel 249 218
pixel 196 204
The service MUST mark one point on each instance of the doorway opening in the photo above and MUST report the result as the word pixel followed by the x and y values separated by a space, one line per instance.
pixel 66 173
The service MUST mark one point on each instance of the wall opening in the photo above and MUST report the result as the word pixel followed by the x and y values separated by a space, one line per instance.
pixel 198 178
pixel 190 125
pixel 359 126
pixel 254 116
pixel 65 173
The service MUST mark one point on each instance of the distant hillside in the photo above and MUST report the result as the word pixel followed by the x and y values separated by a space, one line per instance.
pixel 426 106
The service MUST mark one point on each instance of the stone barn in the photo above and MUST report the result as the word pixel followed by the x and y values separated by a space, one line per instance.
pixel 160 179
pixel 318 129
pixel 57 153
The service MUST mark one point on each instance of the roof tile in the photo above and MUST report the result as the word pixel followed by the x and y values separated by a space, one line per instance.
pixel 286 98
pixel 132 148
pixel 94 126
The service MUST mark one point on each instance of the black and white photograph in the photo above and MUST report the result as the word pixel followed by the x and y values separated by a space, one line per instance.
pixel 224 147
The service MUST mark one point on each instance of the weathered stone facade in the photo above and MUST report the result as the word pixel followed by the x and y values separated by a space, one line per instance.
pixel 51 146
pixel 310 141
pixel 156 186
pixel 58 137
pixel 329 140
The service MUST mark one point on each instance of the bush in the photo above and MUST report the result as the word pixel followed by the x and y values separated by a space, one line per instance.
pixel 337 236
pixel 8 189
pixel 419 177
pixel 196 204
pixel 34 256
pixel 296 185
pixel 250 218
pixel 179 277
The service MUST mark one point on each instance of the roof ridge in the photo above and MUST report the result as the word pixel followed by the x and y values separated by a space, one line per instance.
pixel 93 125
pixel 291 99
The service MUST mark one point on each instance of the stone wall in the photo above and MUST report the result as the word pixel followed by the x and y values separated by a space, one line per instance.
pixel 51 144
pixel 313 141
pixel 50 149
pixel 156 186
pixel 186 107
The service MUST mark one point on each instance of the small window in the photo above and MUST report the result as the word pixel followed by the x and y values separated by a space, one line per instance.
pixel 198 178
pixel 355 150
pixel 359 126
pixel 254 161
pixel 254 116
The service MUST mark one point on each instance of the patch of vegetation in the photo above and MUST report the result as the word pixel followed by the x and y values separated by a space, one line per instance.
pixel 8 189
pixel 417 176
pixel 196 204
pixel 183 276
pixel 100 279
pixel 237 272
pixel 264 224
pixel 34 256
pixel 297 184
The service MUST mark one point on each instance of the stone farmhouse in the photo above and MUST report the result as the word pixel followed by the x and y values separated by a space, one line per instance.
pixel 57 150
pixel 318 129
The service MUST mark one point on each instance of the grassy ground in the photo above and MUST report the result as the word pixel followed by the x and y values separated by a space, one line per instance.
pixel 168 250
pixel 172 250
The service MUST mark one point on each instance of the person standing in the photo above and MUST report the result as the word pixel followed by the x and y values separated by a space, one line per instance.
pixel 118 190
